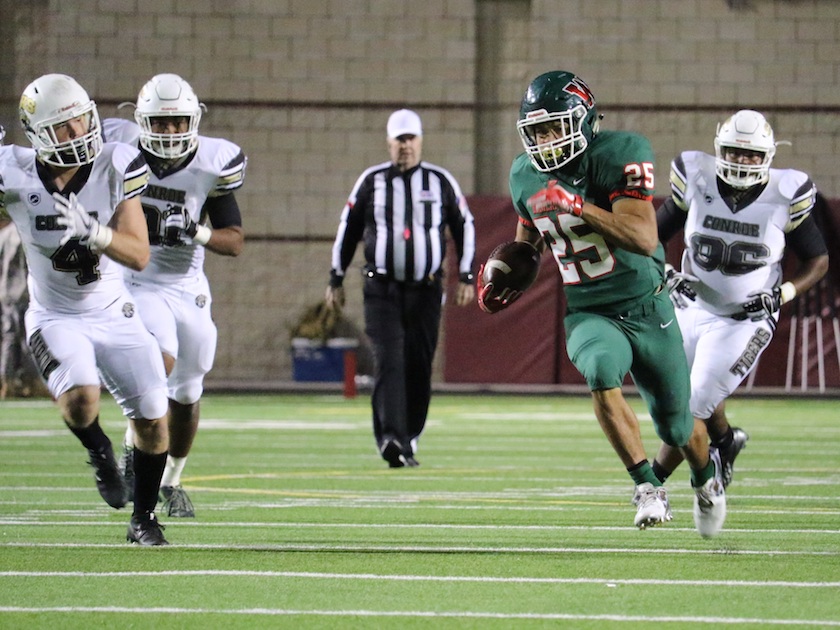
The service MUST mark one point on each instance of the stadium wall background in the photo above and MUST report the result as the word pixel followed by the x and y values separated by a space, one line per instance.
pixel 305 87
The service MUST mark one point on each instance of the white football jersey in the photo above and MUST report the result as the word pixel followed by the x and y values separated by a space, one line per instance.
pixel 69 278
pixel 735 253
pixel 216 168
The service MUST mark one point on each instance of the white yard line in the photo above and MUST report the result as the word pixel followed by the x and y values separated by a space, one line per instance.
pixel 433 549
pixel 30 521
pixel 423 614
pixel 419 578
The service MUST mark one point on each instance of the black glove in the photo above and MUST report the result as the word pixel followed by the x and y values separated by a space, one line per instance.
pixel 763 304
pixel 176 224
pixel 679 286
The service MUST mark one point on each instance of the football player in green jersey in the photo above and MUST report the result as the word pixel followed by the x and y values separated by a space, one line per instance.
pixel 586 195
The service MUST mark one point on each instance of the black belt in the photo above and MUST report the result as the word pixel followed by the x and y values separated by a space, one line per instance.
pixel 431 280
pixel 645 308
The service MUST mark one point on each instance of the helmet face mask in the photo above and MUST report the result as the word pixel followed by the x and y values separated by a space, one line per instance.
pixel 168 96
pixel 557 120
pixel 738 142
pixel 47 107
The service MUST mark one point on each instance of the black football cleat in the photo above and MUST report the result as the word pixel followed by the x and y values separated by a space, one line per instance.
pixel 126 467
pixel 109 480
pixel 144 529
pixel 176 502
pixel 728 454
pixel 391 452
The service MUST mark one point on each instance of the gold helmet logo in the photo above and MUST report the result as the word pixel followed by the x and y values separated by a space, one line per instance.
pixel 27 104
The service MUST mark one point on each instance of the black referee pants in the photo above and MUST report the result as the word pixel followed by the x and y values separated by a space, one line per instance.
pixel 402 321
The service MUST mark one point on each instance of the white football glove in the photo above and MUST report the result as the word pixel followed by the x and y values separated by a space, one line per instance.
pixel 679 286
pixel 79 224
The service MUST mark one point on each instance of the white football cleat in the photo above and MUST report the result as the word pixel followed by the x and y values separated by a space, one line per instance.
pixel 653 506
pixel 710 501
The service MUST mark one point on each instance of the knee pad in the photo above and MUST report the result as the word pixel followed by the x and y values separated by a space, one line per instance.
pixel 147 406
pixel 701 405
pixel 600 369
pixel 706 395
pixel 599 350
pixel 674 428
pixel 187 392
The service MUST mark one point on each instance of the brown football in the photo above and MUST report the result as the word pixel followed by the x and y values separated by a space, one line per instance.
pixel 513 265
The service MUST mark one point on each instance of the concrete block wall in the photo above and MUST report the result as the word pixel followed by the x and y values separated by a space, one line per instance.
pixel 305 87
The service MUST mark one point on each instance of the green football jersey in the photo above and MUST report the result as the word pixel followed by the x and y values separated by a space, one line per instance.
pixel 597 275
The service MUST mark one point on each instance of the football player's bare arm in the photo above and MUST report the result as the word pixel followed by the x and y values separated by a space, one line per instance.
pixel 631 225
pixel 130 244
pixel 227 241
pixel 807 242
pixel 530 235
pixel 811 272
pixel 227 237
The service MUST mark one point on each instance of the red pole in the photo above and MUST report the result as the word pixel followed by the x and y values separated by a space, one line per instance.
pixel 350 373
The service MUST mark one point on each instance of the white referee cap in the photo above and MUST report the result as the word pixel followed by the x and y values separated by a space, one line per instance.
pixel 402 122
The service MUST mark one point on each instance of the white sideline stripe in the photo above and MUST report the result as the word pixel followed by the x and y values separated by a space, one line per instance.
pixel 218 423
pixel 421 578
pixel 211 425
pixel 325 425
pixel 27 404
pixel 30 521
pixel 421 613
pixel 432 549
pixel 551 416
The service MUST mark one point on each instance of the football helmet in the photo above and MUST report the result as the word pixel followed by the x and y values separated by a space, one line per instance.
pixel 168 95
pixel 557 119
pixel 749 130
pixel 48 103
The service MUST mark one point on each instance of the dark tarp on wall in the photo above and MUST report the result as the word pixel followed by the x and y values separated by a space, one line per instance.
pixel 524 343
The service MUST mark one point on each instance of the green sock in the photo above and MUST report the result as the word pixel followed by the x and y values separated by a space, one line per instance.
pixel 699 477
pixel 643 473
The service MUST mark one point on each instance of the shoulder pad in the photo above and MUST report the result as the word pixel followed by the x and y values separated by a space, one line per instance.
pixel 800 192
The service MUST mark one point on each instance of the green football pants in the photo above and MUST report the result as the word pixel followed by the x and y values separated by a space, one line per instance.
pixel 646 342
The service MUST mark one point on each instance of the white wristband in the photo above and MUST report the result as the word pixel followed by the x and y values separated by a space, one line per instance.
pixel 202 235
pixel 102 238
pixel 787 292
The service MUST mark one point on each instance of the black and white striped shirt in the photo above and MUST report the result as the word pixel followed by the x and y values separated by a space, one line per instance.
pixel 402 218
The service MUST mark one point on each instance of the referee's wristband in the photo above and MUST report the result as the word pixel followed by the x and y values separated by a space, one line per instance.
pixel 202 235
pixel 787 292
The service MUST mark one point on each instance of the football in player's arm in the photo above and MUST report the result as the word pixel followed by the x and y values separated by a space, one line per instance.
pixel 586 194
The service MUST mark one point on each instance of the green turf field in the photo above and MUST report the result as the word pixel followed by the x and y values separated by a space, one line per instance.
pixel 518 517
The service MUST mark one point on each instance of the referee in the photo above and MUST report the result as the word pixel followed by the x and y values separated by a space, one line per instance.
pixel 401 210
